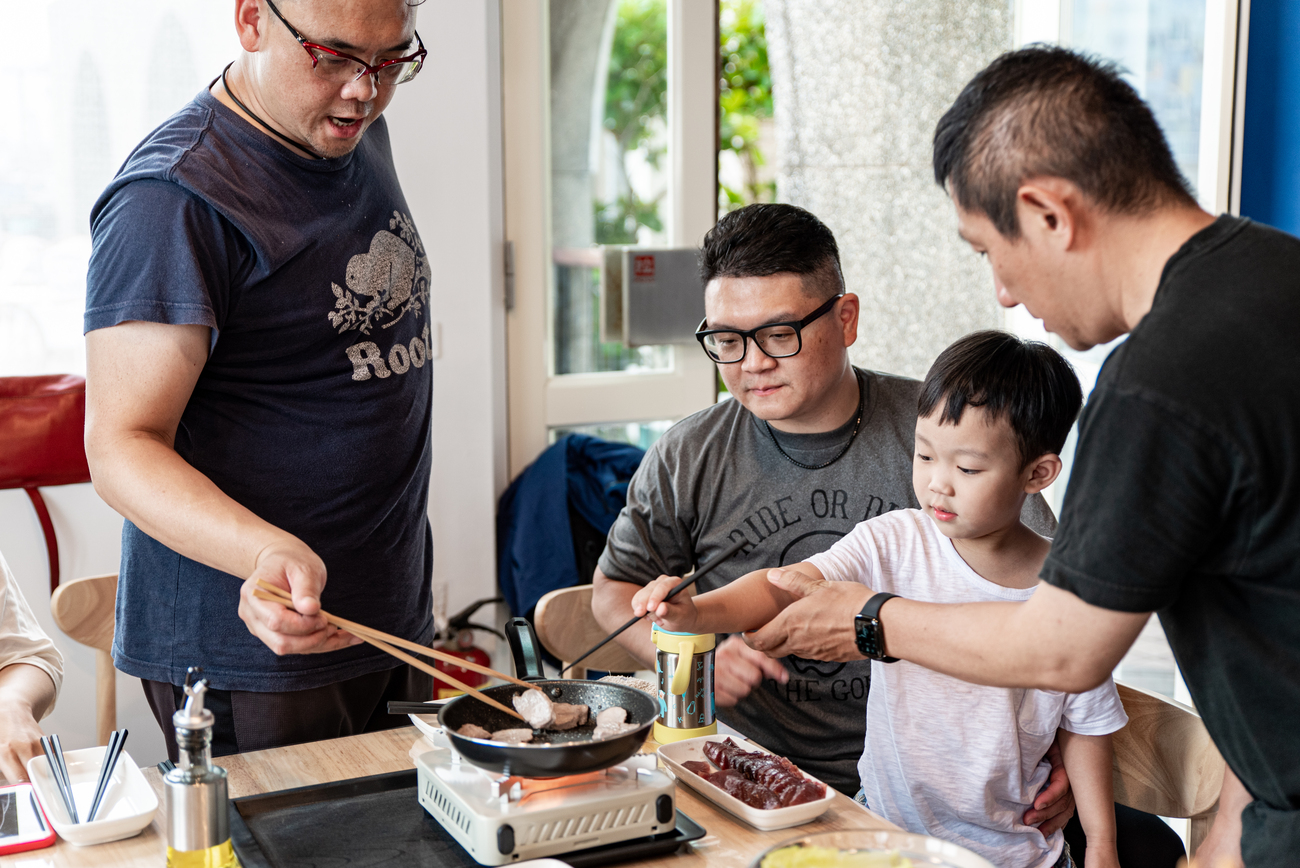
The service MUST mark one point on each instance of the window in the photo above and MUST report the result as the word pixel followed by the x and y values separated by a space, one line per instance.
pixel 89 83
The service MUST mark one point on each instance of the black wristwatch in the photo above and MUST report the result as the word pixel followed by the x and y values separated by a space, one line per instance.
pixel 869 633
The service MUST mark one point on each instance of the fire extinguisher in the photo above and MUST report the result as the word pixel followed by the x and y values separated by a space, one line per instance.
pixel 459 641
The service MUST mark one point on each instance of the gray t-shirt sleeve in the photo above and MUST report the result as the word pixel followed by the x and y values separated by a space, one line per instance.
pixel 1038 516
pixel 652 535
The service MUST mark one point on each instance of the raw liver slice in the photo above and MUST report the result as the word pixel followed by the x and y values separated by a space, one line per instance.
pixel 774 774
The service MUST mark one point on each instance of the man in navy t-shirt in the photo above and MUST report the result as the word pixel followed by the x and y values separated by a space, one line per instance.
pixel 259 386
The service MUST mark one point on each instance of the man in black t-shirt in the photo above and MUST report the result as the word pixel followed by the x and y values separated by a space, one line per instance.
pixel 1181 500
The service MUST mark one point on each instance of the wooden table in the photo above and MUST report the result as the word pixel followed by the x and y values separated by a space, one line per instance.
pixel 728 844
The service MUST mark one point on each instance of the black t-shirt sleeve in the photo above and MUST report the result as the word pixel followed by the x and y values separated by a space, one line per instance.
pixel 650 538
pixel 1148 491
pixel 160 254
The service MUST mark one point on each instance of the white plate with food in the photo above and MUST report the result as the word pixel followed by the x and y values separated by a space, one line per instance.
pixel 691 750
pixel 868 848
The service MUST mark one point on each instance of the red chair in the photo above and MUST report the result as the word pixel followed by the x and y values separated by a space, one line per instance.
pixel 42 442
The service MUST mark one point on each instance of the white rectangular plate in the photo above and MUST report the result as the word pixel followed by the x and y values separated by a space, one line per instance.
pixel 680 752
pixel 129 802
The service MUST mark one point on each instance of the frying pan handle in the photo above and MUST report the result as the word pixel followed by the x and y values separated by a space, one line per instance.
pixel 523 649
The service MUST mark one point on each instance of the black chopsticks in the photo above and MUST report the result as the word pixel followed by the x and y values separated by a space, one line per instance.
pixel 681 586
pixel 111 753
pixel 59 771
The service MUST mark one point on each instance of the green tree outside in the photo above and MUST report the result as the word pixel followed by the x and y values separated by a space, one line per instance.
pixel 636 104
pixel 744 98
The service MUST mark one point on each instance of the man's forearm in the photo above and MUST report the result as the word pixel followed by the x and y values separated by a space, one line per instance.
pixel 26 688
pixel 1053 641
pixel 139 379
pixel 611 603
pixel 146 481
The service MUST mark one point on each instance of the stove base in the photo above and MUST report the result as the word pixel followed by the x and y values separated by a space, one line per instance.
pixel 500 820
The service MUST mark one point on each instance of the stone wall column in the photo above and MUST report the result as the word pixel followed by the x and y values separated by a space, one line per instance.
pixel 858 86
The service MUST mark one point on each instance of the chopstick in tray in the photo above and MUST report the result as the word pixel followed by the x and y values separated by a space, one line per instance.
pixel 278 595
pixel 59 771
pixel 111 754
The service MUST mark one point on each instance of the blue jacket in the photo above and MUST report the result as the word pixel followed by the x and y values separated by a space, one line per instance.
pixel 535 553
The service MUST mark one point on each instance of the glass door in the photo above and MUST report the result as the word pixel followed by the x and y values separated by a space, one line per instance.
pixel 609 139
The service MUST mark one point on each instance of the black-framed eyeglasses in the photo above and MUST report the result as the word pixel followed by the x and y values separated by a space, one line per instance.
pixel 779 340
pixel 340 68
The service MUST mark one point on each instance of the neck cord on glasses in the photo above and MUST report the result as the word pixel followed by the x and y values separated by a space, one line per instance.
pixel 270 129
pixel 857 423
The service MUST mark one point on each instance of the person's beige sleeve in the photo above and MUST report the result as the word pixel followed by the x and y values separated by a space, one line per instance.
pixel 21 638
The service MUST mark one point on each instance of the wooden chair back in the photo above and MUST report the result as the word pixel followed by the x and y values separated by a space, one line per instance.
pixel 1165 761
pixel 84 609
pixel 566 627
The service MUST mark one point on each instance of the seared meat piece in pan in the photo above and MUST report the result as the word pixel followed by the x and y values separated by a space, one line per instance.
pixel 536 707
pixel 568 716
pixel 610 722
pixel 513 736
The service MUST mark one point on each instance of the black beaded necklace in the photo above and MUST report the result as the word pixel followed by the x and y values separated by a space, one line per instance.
pixel 857 423
pixel 270 129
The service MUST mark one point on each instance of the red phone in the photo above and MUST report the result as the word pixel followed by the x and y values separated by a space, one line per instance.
pixel 23 825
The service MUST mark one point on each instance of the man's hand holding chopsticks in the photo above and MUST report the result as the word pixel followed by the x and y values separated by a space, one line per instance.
pixel 291 565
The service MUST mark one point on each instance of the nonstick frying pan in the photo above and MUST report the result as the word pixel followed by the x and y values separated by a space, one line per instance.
pixel 550 754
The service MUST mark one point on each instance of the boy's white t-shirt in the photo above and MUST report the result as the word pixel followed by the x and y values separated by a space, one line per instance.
pixel 943 757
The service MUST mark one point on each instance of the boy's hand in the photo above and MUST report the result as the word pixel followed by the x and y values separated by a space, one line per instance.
pixel 676 615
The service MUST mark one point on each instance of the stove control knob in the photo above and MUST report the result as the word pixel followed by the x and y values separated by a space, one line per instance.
pixel 506 839
pixel 664 808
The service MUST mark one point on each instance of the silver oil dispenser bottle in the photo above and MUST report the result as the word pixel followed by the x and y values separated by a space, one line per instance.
pixel 195 793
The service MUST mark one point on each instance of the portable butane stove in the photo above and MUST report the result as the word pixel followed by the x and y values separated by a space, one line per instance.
pixel 501 819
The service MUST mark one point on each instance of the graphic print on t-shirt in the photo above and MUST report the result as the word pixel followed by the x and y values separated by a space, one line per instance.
pixel 383 285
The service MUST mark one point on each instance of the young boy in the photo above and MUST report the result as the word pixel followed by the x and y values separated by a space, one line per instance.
pixel 955 760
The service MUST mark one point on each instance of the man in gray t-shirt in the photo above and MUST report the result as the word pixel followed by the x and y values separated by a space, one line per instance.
pixel 808 447
pixel 719 476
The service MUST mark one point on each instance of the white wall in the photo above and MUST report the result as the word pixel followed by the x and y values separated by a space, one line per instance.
pixel 446 128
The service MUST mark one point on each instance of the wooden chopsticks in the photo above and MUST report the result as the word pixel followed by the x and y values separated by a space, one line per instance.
pixel 385 642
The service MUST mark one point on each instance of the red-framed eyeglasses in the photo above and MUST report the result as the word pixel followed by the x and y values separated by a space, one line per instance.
pixel 340 68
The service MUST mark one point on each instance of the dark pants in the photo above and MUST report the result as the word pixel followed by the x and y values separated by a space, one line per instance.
pixel 248 721
pixel 1143 840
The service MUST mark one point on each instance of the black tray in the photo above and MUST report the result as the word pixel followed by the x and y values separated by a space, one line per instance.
pixel 378 821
